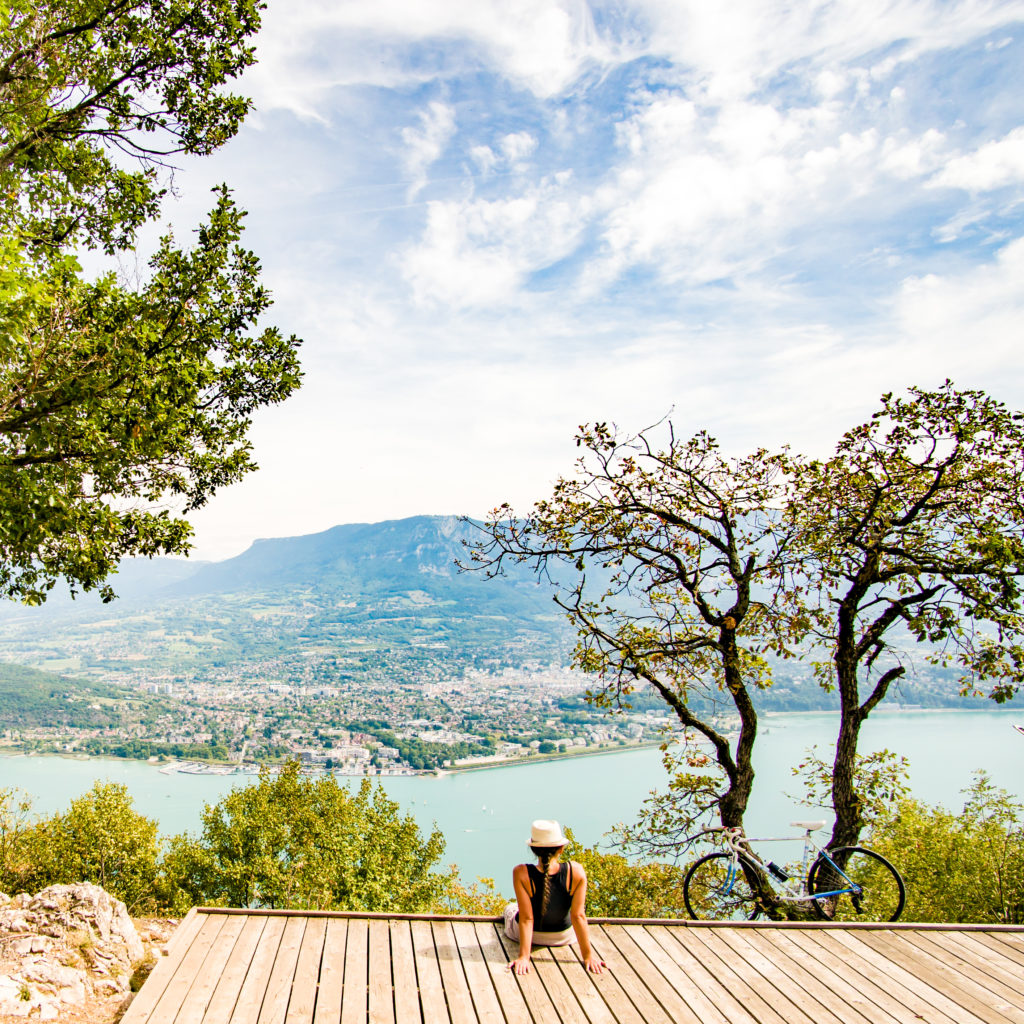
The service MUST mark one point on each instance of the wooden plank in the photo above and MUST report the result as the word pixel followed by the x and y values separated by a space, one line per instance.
pixel 282 973
pixel 689 989
pixel 640 997
pixel 185 931
pixel 332 973
pixel 567 1009
pixel 149 995
pixel 905 1007
pixel 510 997
pixel 974 960
pixel 946 978
pixel 189 966
pixel 193 1007
pixel 600 995
pixel 403 974
pixel 302 1003
pixel 765 978
pixel 380 992
pixel 453 977
pixel 907 984
pixel 225 994
pixel 530 986
pixel 720 975
pixel 354 989
pixel 680 1011
pixel 1003 951
pixel 254 987
pixel 826 1001
pixel 833 976
pixel 432 1002
pixel 478 977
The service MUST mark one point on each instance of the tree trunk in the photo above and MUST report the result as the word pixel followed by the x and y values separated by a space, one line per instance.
pixel 734 801
pixel 845 798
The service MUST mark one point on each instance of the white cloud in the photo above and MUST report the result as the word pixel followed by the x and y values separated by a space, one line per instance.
pixel 424 145
pixel 517 146
pixel 992 166
pixel 731 46
pixel 709 191
pixel 485 158
pixel 479 253
pixel 307 48
pixel 969 323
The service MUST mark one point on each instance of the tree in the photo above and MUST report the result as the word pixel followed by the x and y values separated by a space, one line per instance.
pixel 123 406
pixel 101 838
pixel 84 83
pixel 670 563
pixel 289 841
pixel 911 534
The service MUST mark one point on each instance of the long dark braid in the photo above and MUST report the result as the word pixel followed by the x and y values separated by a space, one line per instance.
pixel 545 854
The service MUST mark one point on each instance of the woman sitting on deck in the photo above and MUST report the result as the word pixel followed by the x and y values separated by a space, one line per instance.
pixel 551 898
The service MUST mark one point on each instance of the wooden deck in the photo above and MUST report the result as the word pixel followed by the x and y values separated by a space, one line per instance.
pixel 242 967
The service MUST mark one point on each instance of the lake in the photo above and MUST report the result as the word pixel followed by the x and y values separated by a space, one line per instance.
pixel 485 815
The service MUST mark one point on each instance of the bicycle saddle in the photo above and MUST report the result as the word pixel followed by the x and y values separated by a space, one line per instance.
pixel 811 826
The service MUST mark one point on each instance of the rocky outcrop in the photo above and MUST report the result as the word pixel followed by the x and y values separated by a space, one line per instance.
pixel 63 947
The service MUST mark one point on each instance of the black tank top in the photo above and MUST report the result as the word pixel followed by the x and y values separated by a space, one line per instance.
pixel 559 899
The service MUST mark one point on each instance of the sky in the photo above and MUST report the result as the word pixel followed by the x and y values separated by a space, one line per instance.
pixel 492 222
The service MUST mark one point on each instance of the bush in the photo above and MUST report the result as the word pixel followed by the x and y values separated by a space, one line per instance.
pixel 617 888
pixel 966 867
pixel 15 856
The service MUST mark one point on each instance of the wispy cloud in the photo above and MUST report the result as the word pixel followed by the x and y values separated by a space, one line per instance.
pixel 425 144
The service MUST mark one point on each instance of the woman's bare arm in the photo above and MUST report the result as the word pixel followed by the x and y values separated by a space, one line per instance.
pixel 578 915
pixel 521 882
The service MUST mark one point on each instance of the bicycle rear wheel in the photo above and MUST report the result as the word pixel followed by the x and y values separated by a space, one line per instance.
pixel 875 889
pixel 717 890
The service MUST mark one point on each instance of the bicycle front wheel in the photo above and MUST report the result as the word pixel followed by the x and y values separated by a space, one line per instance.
pixel 865 888
pixel 717 889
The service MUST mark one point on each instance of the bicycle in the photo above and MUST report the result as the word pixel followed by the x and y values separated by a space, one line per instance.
pixel 848 883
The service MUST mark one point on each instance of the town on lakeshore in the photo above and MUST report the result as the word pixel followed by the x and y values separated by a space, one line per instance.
pixel 481 719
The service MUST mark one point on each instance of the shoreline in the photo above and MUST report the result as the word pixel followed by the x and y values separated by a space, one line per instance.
pixel 251 771
pixel 518 762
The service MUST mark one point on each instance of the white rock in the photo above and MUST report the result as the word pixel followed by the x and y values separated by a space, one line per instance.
pixel 62 946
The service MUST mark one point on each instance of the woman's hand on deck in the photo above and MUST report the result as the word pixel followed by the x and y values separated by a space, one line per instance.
pixel 594 965
pixel 521 965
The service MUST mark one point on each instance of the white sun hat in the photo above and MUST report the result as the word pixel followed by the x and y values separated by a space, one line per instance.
pixel 546 833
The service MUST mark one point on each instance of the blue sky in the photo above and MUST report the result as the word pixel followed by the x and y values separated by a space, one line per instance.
pixel 494 221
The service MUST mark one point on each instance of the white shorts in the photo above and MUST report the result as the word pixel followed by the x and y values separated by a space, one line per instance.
pixel 511 917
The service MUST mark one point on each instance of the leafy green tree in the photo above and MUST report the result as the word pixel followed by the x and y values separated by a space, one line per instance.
pixel 85 83
pixel 959 867
pixel 911 534
pixel 291 841
pixel 101 838
pixel 123 405
pixel 671 563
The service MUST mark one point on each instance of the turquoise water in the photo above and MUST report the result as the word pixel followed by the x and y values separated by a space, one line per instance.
pixel 485 815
